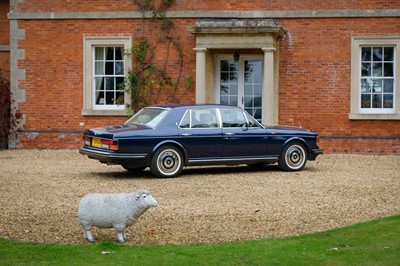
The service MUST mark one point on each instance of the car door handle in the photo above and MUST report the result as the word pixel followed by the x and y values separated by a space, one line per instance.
pixel 229 133
pixel 186 134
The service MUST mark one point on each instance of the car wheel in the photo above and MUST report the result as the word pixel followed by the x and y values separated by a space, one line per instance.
pixel 293 157
pixel 167 161
pixel 133 169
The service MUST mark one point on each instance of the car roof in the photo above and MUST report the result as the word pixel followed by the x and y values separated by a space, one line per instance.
pixel 173 106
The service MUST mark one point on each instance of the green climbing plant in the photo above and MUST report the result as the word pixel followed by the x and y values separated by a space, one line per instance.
pixel 149 77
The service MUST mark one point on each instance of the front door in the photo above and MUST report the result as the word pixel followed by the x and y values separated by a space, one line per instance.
pixel 239 83
pixel 241 139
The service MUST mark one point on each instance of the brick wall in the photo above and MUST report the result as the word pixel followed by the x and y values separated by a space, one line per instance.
pixel 54 79
pixel 315 83
pixel 360 145
pixel 4 39
pixel 314 70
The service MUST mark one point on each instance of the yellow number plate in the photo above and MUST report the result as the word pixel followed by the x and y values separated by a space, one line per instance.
pixel 96 142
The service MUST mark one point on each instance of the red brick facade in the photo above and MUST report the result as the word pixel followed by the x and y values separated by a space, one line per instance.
pixel 315 83
pixel 4 39
pixel 314 59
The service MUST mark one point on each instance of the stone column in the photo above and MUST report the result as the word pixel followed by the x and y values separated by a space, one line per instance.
pixel 16 74
pixel 200 75
pixel 268 98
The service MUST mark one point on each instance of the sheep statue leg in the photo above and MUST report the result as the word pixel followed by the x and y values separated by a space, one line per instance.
pixel 121 237
pixel 120 228
pixel 88 234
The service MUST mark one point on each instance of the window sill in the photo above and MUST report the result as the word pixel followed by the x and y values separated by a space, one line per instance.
pixel 89 112
pixel 358 116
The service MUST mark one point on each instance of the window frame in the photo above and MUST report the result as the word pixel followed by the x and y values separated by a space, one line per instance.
pixel 89 43
pixel 193 111
pixel 356 112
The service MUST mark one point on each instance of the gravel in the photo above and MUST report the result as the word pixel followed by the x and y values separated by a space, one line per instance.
pixel 40 191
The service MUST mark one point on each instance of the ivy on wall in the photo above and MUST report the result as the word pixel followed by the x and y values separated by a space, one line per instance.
pixel 149 77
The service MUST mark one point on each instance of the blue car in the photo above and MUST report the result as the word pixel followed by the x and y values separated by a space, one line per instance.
pixel 168 137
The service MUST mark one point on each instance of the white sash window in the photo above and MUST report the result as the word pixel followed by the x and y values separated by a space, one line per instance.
pixel 377 79
pixel 375 87
pixel 105 66
pixel 108 77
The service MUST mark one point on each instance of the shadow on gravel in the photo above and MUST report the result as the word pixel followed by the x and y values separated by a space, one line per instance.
pixel 191 171
pixel 123 174
pixel 220 170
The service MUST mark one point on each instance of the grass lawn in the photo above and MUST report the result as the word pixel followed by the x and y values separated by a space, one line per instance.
pixel 372 243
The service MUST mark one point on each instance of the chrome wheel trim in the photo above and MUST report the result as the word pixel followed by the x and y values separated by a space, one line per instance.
pixel 169 162
pixel 295 157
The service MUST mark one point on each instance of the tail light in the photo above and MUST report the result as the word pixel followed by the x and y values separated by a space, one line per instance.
pixel 101 143
pixel 86 140
pixel 109 144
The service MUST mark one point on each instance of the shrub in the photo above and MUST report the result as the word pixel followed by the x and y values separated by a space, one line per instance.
pixel 5 107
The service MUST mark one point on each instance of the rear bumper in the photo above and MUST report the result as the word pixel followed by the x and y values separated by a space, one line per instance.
pixel 111 157
pixel 314 154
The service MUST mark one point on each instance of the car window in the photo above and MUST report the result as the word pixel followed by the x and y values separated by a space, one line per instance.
pixel 253 123
pixel 148 116
pixel 200 118
pixel 185 122
pixel 233 118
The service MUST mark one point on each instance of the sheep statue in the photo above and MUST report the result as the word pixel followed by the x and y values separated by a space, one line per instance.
pixel 113 210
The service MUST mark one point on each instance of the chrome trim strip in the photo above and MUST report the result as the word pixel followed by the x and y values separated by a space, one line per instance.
pixel 106 154
pixel 233 159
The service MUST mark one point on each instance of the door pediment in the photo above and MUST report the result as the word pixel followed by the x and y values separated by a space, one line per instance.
pixel 252 36
pixel 236 33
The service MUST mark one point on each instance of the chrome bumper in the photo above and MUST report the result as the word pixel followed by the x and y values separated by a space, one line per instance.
pixel 109 156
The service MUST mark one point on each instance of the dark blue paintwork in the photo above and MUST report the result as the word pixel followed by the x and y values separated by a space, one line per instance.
pixel 199 146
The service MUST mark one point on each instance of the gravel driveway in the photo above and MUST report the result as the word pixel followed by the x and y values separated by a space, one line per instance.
pixel 40 190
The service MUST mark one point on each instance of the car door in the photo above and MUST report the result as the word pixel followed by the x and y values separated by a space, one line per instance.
pixel 200 133
pixel 239 138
